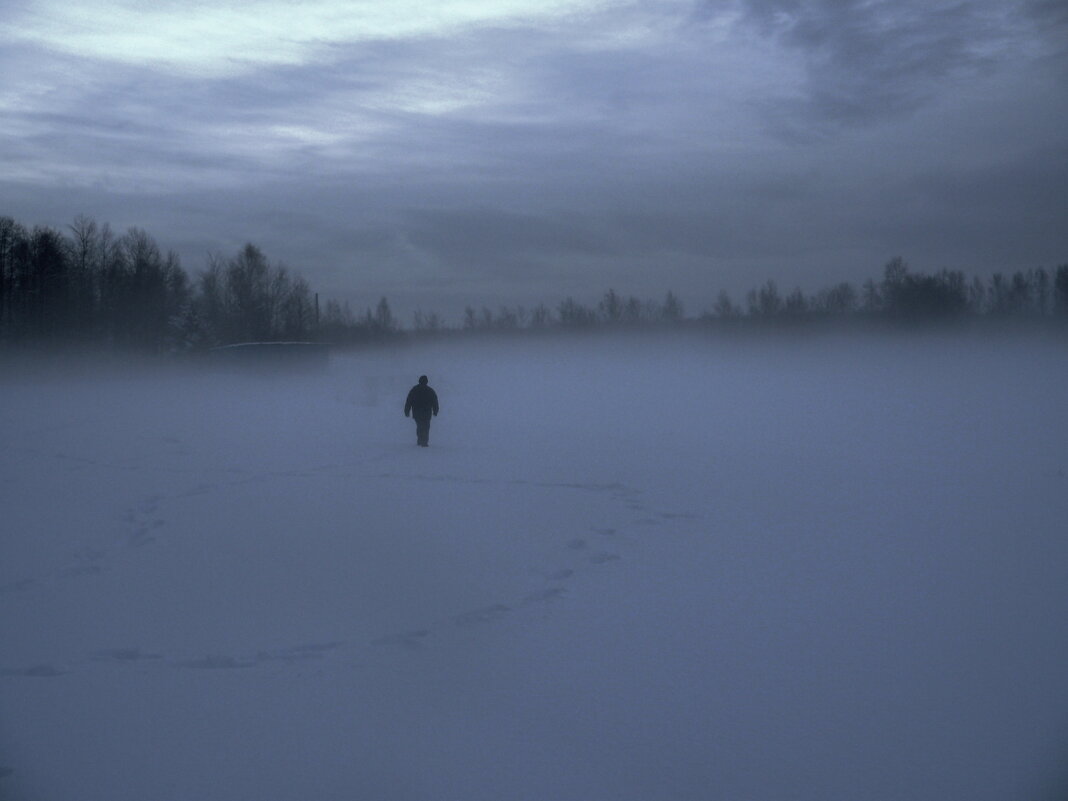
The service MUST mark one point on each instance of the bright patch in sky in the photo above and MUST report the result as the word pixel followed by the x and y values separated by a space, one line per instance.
pixel 219 38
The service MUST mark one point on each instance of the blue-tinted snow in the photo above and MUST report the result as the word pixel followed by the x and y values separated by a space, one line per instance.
pixel 687 569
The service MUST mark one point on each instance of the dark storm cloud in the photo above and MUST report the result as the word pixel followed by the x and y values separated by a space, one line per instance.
pixel 483 235
pixel 1052 15
pixel 870 60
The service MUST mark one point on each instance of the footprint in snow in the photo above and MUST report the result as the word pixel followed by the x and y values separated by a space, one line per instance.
pixel 34 671
pixel 409 639
pixel 485 614
pixel 140 537
pixel 125 655
pixel 296 653
pixel 215 662
pixel 17 586
pixel 603 557
pixel 199 489
pixel 678 516
pixel 542 596
pixel 151 504
pixel 81 570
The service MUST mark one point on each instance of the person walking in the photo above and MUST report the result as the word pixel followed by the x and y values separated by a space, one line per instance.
pixel 421 404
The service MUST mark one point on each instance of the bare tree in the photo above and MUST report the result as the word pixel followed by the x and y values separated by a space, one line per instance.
pixel 765 301
pixel 795 303
pixel 611 307
pixel 427 322
pixel 724 308
pixel 1060 291
pixel 671 309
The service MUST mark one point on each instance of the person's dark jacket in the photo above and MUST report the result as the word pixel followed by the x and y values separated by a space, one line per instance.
pixel 422 402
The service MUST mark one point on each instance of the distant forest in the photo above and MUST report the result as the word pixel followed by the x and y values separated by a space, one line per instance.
pixel 89 285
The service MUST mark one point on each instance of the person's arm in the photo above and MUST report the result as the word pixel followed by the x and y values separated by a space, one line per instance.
pixel 408 404
pixel 435 403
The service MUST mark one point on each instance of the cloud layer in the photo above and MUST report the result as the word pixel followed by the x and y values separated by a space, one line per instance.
pixel 489 152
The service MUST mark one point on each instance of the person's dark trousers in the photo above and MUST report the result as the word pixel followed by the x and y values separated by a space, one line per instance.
pixel 422 430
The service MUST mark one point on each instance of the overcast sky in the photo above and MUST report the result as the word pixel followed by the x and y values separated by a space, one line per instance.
pixel 517 151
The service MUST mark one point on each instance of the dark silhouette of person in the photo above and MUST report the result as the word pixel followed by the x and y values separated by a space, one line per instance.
pixel 422 404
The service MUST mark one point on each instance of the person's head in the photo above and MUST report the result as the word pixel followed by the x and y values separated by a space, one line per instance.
pixel 423 379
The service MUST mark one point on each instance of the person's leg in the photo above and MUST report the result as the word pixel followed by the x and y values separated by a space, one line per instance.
pixel 422 432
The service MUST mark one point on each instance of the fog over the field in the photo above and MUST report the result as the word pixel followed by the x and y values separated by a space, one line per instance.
pixel 691 568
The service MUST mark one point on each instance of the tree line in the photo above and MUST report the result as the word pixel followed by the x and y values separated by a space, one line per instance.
pixel 90 285
pixel 901 296
pixel 912 297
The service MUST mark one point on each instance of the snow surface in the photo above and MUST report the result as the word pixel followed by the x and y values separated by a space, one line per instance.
pixel 624 569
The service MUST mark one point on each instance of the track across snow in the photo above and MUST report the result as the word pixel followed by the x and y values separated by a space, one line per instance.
pixel 623 570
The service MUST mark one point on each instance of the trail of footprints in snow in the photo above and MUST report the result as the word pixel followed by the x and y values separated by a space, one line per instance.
pixel 144 521
pixel 142 525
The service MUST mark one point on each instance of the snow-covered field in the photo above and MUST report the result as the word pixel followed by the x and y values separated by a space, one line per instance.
pixel 681 569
